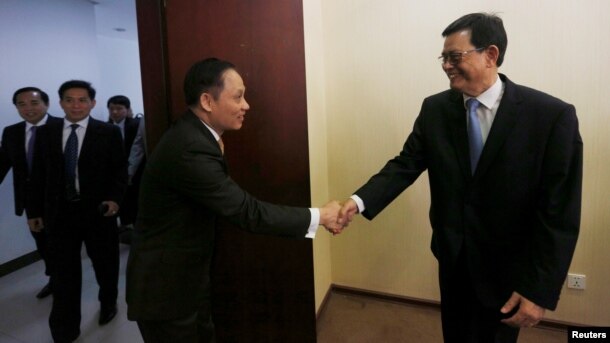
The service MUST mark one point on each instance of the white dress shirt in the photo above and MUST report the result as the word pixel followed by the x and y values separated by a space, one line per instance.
pixel 28 131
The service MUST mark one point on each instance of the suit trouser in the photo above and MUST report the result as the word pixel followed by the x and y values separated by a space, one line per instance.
pixel 191 329
pixel 42 246
pixel 129 206
pixel 77 223
pixel 197 327
pixel 464 318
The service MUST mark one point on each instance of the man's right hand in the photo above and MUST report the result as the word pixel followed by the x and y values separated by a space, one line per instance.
pixel 347 212
pixel 36 224
pixel 328 217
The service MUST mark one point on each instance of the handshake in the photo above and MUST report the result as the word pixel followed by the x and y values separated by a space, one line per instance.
pixel 335 216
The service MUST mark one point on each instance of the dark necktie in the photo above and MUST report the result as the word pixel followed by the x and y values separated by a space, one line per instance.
pixel 29 156
pixel 70 158
pixel 475 139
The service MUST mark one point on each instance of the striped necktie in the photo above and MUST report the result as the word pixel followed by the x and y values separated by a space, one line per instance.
pixel 70 159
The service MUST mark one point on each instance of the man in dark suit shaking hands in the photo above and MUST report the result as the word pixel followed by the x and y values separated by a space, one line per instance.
pixel 17 152
pixel 505 169
pixel 185 187
pixel 80 173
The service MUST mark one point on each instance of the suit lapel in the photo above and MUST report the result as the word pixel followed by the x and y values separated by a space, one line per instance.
pixel 194 120
pixel 55 137
pixel 90 141
pixel 459 135
pixel 89 138
pixel 504 121
pixel 20 144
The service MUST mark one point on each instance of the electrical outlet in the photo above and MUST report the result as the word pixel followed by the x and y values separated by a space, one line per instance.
pixel 577 281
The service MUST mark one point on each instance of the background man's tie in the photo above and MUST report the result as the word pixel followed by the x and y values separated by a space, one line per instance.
pixel 475 138
pixel 70 158
pixel 29 156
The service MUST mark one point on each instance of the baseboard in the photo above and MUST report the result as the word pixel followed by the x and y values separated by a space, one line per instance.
pixel 19 262
pixel 324 302
pixel 544 324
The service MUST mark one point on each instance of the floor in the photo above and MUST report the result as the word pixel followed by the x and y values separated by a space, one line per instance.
pixel 358 319
pixel 24 318
pixel 347 318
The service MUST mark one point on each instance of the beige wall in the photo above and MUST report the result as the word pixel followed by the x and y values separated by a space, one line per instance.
pixel 318 144
pixel 369 66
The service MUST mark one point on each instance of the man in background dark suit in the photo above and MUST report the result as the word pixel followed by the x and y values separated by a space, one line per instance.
pixel 185 187
pixel 119 107
pixel 80 177
pixel 505 224
pixel 17 140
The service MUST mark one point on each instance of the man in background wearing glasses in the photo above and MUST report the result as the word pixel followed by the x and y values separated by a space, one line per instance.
pixel 505 169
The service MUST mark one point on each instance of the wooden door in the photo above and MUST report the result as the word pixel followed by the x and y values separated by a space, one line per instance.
pixel 263 286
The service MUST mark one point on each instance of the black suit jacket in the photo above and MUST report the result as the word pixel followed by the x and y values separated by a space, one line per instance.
pixel 184 188
pixel 517 218
pixel 131 129
pixel 102 172
pixel 12 155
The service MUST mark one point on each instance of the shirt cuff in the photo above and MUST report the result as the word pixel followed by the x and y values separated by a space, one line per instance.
pixel 359 202
pixel 314 223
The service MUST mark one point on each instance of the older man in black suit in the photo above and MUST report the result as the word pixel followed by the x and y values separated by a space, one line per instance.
pixel 185 187
pixel 505 169
pixel 81 176
pixel 17 152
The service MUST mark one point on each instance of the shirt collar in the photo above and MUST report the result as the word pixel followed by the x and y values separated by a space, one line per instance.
pixel 42 121
pixel 490 96
pixel 83 123
pixel 216 135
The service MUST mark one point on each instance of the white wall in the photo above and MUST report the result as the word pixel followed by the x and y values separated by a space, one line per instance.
pixel 119 73
pixel 43 44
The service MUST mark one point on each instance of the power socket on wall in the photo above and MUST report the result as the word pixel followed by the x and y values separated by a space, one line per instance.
pixel 577 281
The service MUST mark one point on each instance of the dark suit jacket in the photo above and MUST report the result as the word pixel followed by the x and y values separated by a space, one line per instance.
pixel 517 219
pixel 131 129
pixel 184 188
pixel 12 155
pixel 102 172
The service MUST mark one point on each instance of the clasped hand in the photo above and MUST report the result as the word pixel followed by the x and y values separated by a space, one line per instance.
pixel 335 216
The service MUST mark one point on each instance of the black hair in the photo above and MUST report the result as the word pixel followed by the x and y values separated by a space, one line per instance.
pixel 76 84
pixel 44 96
pixel 119 100
pixel 205 77
pixel 485 30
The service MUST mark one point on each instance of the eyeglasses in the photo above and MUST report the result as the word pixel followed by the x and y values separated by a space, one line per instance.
pixel 455 57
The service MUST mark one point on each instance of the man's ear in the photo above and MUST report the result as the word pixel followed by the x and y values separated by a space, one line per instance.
pixel 492 52
pixel 205 101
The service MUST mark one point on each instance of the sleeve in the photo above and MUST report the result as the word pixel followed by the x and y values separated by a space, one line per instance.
pixel 36 191
pixel 138 149
pixel 5 162
pixel 118 170
pixel 202 177
pixel 557 214
pixel 398 174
